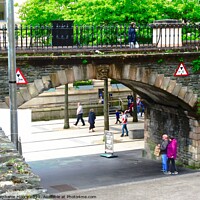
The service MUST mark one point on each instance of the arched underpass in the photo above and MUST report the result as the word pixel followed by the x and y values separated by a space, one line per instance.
pixel 171 102
pixel 170 106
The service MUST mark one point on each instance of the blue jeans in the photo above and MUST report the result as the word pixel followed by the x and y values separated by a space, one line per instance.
pixel 164 162
pixel 124 127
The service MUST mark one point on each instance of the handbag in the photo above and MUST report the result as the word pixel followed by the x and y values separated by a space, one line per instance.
pixel 136 45
pixel 157 151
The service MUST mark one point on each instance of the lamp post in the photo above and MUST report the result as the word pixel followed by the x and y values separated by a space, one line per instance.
pixel 106 106
pixel 12 72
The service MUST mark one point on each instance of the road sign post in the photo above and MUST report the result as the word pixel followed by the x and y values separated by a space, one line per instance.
pixel 12 72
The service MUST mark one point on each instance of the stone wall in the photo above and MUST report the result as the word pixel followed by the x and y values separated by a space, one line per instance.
pixel 161 120
pixel 16 178
pixel 35 68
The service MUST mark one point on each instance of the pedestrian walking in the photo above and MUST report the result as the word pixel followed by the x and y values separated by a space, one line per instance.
pixel 171 155
pixel 124 123
pixel 117 115
pixel 132 35
pixel 163 152
pixel 91 120
pixel 79 113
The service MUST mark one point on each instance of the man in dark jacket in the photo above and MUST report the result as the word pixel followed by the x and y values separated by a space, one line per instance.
pixel 91 119
pixel 163 152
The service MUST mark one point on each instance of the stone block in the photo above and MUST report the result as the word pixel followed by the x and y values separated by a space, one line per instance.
pixel 195 143
pixel 91 73
pixel 78 73
pixel 182 92
pixel 196 157
pixel 196 123
pixel 136 134
pixel 132 73
pixel 145 75
pixel 196 136
pixel 126 72
pixel 177 89
pixel 55 80
pixel 171 86
pixel 193 100
pixel 191 134
pixel 139 74
pixel 32 90
pixel 194 150
pixel 196 129
pixel 7 101
pixel 188 96
pixel 20 99
pixel 152 78
pixel 159 80
pixel 62 77
pixel 165 83
pixel 45 78
pixel 70 75
pixel 25 93
pixel 46 82
pixel 3 105
pixel 39 85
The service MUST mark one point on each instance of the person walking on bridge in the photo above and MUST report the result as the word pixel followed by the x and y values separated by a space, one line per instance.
pixel 132 35
pixel 79 113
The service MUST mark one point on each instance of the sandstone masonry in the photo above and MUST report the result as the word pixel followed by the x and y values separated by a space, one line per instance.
pixel 17 181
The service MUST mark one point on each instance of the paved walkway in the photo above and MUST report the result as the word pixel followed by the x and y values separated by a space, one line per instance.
pixel 70 165
pixel 178 187
pixel 49 140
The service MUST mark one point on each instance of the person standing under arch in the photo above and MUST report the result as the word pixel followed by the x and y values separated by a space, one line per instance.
pixel 171 155
pixel 163 152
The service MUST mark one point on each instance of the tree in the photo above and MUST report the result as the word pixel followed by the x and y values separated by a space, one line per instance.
pixel 107 12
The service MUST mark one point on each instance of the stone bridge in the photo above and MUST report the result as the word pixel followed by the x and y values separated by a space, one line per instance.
pixel 171 102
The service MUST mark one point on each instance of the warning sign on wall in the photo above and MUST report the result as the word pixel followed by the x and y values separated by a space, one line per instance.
pixel 181 70
pixel 20 79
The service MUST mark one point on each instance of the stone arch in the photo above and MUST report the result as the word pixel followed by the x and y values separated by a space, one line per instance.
pixel 171 109
pixel 162 94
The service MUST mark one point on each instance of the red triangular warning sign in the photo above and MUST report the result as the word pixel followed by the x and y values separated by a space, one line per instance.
pixel 181 70
pixel 20 79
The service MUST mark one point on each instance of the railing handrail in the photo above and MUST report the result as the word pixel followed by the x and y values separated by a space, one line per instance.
pixel 113 36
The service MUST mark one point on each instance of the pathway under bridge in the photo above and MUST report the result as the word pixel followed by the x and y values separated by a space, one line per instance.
pixel 171 102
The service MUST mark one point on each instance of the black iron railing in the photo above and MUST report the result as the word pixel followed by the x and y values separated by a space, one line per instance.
pixel 48 37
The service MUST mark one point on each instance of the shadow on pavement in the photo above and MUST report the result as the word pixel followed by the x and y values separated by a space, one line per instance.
pixel 92 171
